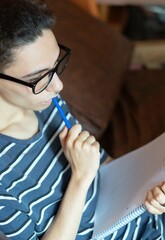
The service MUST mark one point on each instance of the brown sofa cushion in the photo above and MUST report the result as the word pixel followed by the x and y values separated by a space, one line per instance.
pixel 139 116
pixel 99 59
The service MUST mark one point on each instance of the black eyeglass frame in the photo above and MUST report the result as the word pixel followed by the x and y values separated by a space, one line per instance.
pixel 52 70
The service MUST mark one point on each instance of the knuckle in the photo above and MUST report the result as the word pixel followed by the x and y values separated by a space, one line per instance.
pixel 78 127
pixel 92 138
pixel 85 133
pixel 97 144
pixel 75 128
pixel 158 197
pixel 86 146
pixel 146 203
pixel 152 202
pixel 163 186
pixel 151 210
pixel 69 144
pixel 77 144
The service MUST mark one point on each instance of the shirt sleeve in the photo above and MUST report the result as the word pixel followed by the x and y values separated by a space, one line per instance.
pixel 103 155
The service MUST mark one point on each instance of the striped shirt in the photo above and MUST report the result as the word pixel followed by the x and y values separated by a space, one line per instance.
pixel 146 227
pixel 34 175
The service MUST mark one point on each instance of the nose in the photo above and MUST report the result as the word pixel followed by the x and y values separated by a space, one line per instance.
pixel 55 85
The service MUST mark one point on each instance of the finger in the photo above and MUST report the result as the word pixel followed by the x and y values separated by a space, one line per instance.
pixel 96 144
pixel 91 139
pixel 158 195
pixel 163 187
pixel 152 201
pixel 63 134
pixel 83 136
pixel 152 209
pixel 150 198
pixel 73 134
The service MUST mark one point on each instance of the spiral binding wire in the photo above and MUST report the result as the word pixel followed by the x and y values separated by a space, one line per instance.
pixel 122 222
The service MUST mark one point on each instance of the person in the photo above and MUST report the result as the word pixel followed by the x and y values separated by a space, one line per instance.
pixel 49 174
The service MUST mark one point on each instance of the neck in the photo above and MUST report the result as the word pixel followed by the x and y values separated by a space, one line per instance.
pixel 17 122
pixel 10 113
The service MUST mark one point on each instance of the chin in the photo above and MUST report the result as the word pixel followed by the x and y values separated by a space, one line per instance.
pixel 43 106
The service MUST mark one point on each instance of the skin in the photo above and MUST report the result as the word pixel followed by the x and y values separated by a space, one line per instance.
pixel 155 199
pixel 19 99
pixel 79 146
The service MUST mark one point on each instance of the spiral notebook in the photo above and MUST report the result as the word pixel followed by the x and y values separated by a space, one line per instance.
pixel 124 183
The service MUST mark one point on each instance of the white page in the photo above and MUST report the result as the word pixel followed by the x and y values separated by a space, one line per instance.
pixel 126 180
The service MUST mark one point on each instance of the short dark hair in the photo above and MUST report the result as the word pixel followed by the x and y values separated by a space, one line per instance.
pixel 21 22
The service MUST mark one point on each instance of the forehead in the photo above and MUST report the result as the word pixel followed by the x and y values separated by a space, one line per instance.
pixel 35 56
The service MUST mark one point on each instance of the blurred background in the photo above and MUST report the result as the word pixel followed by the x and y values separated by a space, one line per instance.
pixel 115 81
pixel 142 21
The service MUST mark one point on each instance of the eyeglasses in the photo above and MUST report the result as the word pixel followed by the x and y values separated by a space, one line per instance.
pixel 40 84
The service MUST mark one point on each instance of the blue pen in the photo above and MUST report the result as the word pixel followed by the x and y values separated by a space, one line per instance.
pixel 61 113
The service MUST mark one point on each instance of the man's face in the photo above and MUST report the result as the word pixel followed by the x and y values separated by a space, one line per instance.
pixel 32 61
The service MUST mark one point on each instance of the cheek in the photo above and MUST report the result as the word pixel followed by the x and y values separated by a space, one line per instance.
pixel 22 95
pixel 11 87
pixel 31 98
pixel 29 91
pixel 4 85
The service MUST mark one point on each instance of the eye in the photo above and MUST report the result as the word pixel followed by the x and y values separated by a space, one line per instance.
pixel 34 79
pixel 50 74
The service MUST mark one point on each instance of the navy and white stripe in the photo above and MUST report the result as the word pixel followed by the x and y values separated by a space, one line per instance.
pixel 34 175
pixel 33 178
pixel 145 227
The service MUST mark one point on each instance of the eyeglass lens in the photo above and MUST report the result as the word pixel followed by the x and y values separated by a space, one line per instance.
pixel 62 65
pixel 44 82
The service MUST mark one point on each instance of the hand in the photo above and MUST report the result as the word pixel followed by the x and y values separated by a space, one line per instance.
pixel 82 151
pixel 155 200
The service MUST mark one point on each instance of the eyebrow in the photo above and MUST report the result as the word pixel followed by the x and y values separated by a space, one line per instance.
pixel 35 73
pixel 42 70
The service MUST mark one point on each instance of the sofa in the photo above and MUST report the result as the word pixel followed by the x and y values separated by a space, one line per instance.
pixel 124 109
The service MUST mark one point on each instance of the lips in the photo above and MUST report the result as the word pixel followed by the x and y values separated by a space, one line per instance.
pixel 50 99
